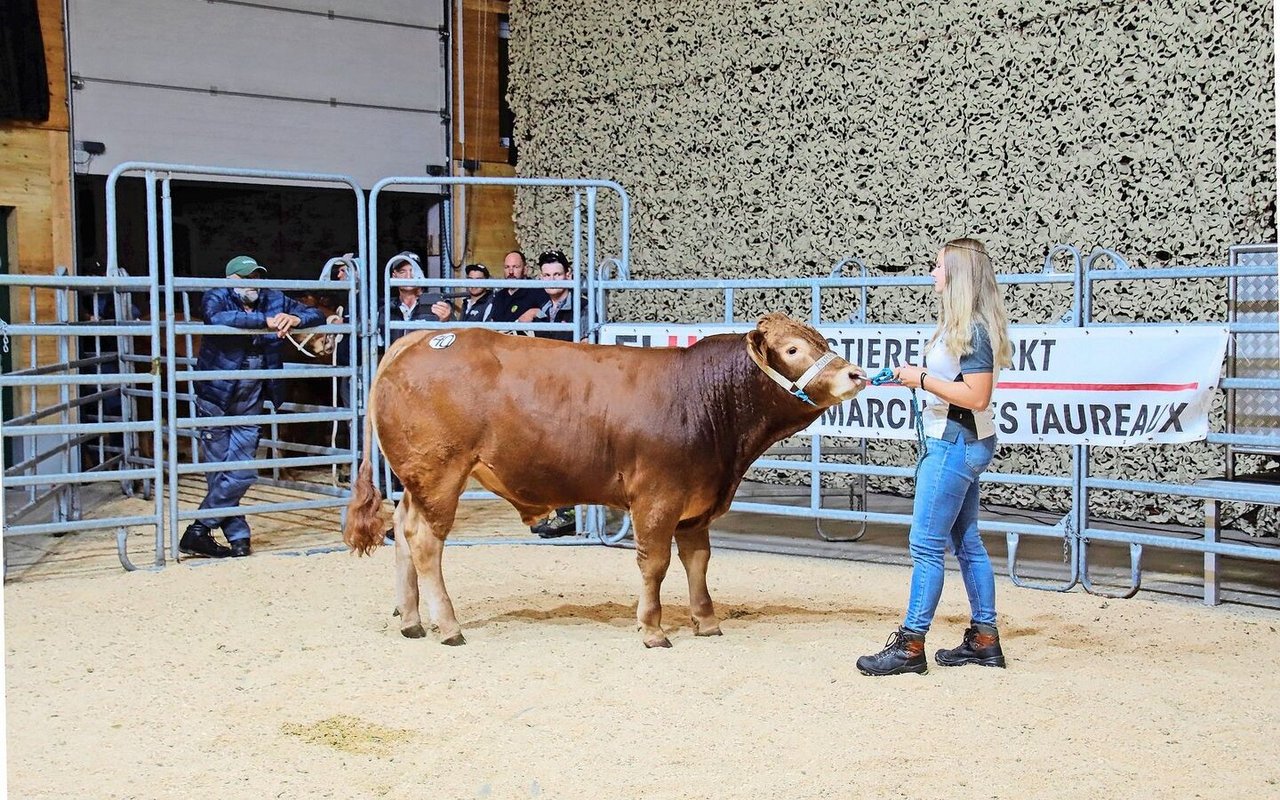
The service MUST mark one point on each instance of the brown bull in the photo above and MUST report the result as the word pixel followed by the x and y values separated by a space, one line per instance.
pixel 664 433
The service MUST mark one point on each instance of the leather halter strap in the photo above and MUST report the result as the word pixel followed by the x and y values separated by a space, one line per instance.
pixel 795 388
pixel 301 345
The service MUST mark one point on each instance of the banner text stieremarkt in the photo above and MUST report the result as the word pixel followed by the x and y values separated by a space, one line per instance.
pixel 1097 386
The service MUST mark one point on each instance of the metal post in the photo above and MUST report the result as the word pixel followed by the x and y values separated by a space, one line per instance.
pixel 65 502
pixel 1212 534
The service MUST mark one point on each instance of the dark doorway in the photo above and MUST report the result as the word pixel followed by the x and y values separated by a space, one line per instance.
pixel 293 230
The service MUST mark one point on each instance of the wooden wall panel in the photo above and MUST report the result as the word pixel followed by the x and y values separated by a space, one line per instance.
pixel 493 234
pixel 35 177
pixel 480 87
pixel 52 28
pixel 488 229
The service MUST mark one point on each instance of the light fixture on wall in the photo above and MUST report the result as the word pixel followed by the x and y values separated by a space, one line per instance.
pixel 84 152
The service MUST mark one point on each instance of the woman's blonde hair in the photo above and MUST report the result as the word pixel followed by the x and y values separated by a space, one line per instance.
pixel 970 295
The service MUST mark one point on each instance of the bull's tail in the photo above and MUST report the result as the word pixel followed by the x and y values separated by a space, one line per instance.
pixel 364 530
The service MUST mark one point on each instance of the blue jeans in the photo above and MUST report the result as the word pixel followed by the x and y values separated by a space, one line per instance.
pixel 946 512
pixel 231 443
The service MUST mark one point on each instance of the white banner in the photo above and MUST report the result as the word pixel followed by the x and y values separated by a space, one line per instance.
pixel 1097 386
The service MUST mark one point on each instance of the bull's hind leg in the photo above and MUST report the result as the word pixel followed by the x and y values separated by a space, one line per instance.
pixel 406 581
pixel 654 525
pixel 694 545
pixel 427 523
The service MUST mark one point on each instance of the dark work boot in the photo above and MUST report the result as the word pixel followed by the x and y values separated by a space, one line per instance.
pixel 981 645
pixel 198 540
pixel 561 523
pixel 240 548
pixel 903 653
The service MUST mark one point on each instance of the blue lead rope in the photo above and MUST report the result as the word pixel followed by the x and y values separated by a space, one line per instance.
pixel 886 376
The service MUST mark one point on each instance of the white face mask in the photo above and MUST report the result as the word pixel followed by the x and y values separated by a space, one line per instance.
pixel 249 296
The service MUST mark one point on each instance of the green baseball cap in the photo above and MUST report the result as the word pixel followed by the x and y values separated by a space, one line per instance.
pixel 243 266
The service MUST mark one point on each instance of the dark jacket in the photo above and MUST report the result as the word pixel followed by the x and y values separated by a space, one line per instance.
pixel 562 314
pixel 507 307
pixel 480 310
pixel 219 352
pixel 420 313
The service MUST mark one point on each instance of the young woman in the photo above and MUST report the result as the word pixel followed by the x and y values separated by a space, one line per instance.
pixel 962 360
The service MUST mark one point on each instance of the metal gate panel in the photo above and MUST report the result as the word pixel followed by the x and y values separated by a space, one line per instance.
pixel 1254 355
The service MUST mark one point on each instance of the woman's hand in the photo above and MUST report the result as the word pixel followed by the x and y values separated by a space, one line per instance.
pixel 908 375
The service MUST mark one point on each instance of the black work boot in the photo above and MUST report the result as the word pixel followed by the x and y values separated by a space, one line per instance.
pixel 198 540
pixel 981 645
pixel 560 523
pixel 903 653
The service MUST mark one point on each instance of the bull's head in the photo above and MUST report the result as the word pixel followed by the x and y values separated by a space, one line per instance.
pixel 318 345
pixel 799 360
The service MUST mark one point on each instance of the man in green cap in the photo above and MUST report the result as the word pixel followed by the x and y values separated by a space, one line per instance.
pixel 249 308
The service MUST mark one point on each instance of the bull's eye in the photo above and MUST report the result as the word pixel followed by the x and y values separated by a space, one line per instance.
pixel 791 351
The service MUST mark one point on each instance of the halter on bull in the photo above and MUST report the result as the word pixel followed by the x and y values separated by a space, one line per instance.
pixel 666 434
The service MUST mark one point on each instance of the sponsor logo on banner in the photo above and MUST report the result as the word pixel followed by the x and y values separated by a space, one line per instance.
pixel 1097 386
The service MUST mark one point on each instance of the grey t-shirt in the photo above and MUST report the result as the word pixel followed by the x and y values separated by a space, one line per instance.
pixel 982 359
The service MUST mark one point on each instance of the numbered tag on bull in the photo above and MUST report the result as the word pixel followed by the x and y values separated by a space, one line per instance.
pixel 442 341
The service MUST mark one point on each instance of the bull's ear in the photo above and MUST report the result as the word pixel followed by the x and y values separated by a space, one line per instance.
pixel 756 344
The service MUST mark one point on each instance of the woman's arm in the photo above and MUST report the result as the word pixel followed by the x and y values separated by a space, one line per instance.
pixel 972 391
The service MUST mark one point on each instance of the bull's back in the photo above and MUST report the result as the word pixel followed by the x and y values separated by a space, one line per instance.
pixel 483 389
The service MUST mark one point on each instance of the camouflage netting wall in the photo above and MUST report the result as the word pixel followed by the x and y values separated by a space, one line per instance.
pixel 773 139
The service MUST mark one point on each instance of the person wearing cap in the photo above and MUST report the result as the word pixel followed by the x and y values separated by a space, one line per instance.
pixel 554 266
pixel 410 304
pixel 249 308
pixel 477 306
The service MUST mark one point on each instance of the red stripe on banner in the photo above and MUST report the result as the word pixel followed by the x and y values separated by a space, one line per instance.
pixel 1102 387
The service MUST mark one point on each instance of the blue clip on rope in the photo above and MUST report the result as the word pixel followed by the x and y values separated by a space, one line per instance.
pixel 882 377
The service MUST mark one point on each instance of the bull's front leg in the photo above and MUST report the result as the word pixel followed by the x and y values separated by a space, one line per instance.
pixel 695 553
pixel 654 528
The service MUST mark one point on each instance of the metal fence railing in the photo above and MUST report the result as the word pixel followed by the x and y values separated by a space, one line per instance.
pixel 106 395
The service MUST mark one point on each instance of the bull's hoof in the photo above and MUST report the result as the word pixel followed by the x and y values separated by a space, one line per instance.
pixel 454 640
pixel 663 642
pixel 703 629
pixel 413 632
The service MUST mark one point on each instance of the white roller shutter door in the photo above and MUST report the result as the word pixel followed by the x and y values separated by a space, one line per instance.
pixel 355 87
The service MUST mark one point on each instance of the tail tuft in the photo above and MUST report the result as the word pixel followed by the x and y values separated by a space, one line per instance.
pixel 365 528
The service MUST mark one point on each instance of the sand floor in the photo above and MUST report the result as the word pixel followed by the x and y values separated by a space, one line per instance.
pixel 284 675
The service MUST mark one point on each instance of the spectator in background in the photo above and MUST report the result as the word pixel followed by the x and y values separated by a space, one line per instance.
pixel 553 266
pixel 409 302
pixel 343 343
pixel 478 305
pixel 519 304
pixel 248 308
